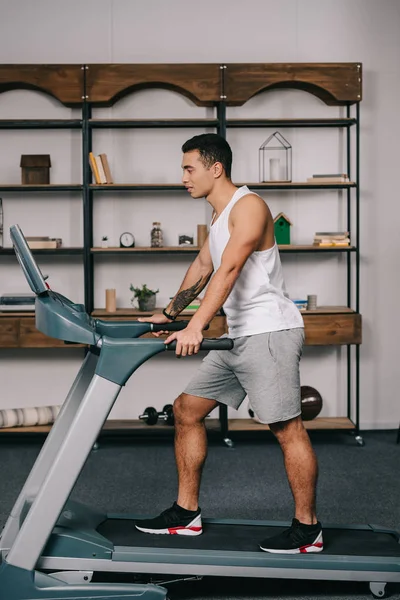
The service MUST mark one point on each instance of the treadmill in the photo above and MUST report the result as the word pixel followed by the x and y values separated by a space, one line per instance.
pixel 54 548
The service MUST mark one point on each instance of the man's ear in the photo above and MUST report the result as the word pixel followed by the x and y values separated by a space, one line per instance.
pixel 218 170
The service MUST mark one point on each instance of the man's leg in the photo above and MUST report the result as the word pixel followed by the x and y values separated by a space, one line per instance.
pixel 190 445
pixel 301 466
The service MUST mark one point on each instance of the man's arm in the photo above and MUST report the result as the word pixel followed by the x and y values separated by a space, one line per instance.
pixel 195 280
pixel 249 218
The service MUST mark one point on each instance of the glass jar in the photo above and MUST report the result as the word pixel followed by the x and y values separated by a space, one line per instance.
pixel 156 235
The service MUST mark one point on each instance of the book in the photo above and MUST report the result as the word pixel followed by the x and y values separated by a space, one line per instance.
pixel 106 168
pixel 99 164
pixel 328 179
pixel 331 236
pixel 318 175
pixel 332 244
pixel 93 166
pixel 44 244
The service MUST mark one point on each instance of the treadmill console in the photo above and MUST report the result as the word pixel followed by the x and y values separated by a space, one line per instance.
pixel 56 315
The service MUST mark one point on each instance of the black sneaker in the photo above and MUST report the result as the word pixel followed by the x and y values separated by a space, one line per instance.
pixel 299 538
pixel 173 521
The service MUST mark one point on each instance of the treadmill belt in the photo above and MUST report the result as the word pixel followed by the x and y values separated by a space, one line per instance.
pixel 246 538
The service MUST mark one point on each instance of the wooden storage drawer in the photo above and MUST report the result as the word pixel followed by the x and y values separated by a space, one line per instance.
pixel 30 337
pixel 332 329
pixel 9 332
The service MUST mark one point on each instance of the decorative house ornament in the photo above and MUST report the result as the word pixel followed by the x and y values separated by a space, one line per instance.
pixel 275 159
pixel 35 169
pixel 282 229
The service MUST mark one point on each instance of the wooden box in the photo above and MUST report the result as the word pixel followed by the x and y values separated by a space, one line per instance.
pixel 35 168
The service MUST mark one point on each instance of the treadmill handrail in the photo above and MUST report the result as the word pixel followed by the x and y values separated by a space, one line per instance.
pixel 119 358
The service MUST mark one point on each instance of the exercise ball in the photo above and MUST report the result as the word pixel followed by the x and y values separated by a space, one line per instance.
pixel 311 402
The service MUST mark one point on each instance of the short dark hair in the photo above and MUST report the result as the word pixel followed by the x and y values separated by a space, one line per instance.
pixel 212 148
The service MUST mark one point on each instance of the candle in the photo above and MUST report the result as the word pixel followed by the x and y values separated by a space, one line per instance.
pixel 274 169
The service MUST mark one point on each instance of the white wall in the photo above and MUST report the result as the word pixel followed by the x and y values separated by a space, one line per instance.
pixel 50 31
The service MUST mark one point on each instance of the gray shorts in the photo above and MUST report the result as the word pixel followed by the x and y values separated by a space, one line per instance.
pixel 265 367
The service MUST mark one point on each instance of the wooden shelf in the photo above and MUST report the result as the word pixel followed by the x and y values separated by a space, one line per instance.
pixel 235 425
pixel 328 310
pixel 277 185
pixel 245 123
pixel 292 248
pixel 50 187
pixel 147 250
pixel 315 424
pixel 297 185
pixel 313 248
pixel 46 251
pixel 139 187
pixel 40 124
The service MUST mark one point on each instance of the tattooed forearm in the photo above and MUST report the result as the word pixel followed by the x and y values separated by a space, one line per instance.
pixel 185 297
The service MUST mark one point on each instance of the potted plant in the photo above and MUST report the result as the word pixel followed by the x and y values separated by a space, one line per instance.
pixel 146 298
pixel 104 241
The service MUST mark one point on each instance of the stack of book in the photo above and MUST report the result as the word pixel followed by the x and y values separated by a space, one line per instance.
pixel 331 238
pixel 44 242
pixel 100 168
pixel 329 178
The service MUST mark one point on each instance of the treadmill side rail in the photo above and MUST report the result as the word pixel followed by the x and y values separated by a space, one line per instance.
pixel 63 473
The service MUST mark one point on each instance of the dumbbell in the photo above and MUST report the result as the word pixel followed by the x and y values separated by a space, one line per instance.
pixel 167 414
pixel 151 416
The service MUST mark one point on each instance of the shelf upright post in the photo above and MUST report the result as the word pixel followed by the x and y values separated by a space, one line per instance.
pixel 87 197
pixel 358 262
pixel 221 105
pixel 221 114
pixel 348 258
pixel 348 156
pixel 221 130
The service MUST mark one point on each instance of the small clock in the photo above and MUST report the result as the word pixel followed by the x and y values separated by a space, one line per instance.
pixel 126 240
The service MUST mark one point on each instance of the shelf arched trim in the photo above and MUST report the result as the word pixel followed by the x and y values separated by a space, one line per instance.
pixel 106 84
pixel 62 82
pixel 322 93
pixel 336 84
pixel 149 85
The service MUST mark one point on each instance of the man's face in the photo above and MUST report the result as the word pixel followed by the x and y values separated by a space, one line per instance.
pixel 196 178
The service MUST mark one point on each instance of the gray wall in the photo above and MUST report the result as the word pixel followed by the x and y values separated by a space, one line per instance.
pixel 50 31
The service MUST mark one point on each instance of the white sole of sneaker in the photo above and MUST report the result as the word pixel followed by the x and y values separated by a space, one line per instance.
pixel 173 530
pixel 193 528
pixel 316 546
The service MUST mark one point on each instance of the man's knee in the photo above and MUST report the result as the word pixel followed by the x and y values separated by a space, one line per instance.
pixel 285 431
pixel 189 410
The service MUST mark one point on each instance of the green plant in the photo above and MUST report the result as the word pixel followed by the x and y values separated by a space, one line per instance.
pixel 104 238
pixel 143 293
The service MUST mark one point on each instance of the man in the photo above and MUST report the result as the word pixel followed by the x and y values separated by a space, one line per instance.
pixel 241 264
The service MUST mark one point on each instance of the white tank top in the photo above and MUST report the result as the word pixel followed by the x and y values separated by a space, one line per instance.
pixel 258 302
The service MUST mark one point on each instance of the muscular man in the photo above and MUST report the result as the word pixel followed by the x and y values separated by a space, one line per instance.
pixel 240 262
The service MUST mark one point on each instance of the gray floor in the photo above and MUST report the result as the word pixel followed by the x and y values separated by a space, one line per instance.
pixel 356 485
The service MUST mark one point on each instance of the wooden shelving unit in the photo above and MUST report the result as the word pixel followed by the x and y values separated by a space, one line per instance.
pixel 206 85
